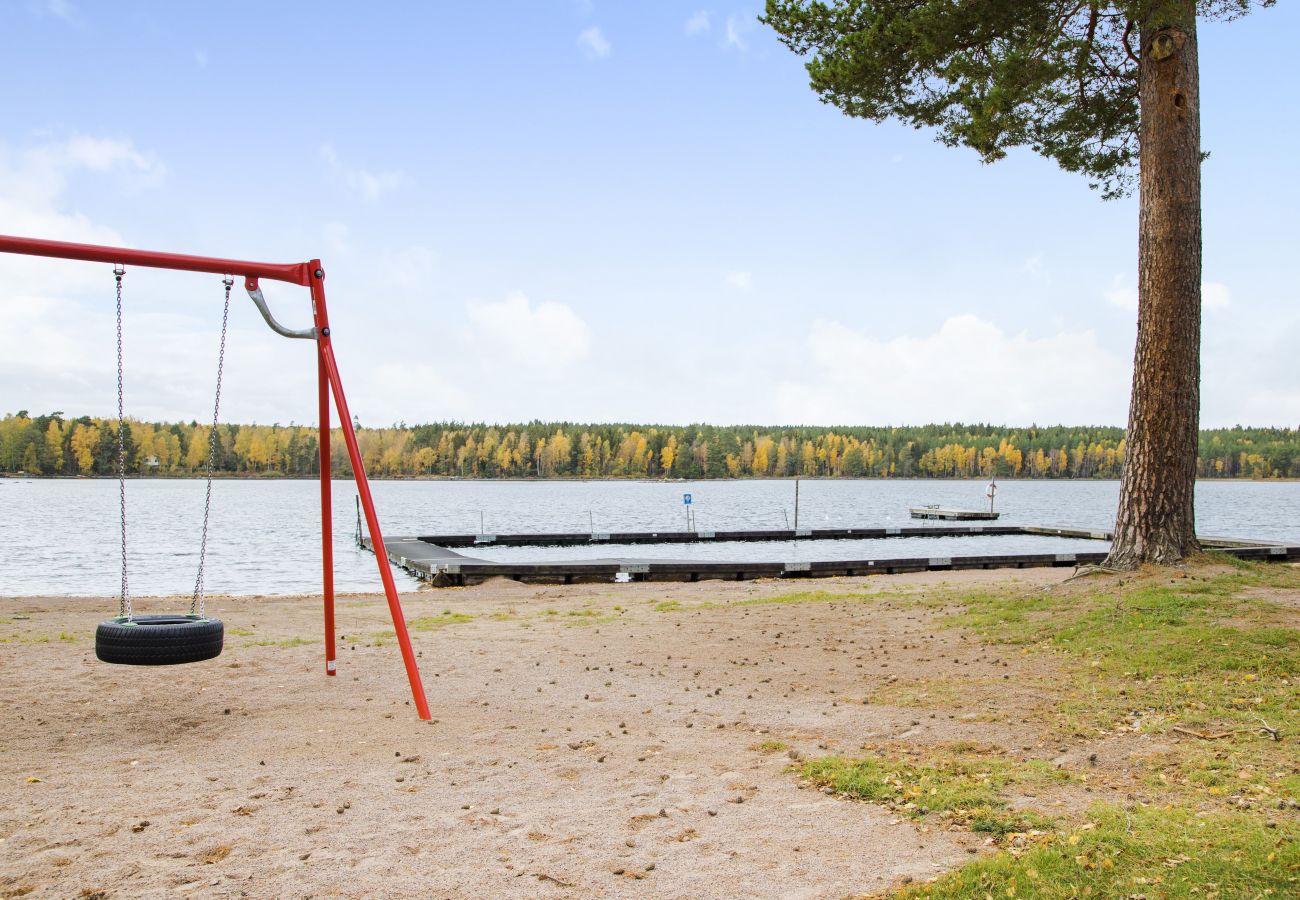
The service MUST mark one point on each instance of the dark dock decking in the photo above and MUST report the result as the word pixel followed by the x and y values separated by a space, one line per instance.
pixel 936 512
pixel 431 557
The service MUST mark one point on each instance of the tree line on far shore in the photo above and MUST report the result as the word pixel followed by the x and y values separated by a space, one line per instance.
pixel 55 445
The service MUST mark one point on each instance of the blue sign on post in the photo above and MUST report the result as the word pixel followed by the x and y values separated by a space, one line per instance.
pixel 686 499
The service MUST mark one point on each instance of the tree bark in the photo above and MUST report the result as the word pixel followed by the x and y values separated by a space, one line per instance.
pixel 1155 521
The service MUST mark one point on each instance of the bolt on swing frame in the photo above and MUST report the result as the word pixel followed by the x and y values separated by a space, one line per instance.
pixel 312 276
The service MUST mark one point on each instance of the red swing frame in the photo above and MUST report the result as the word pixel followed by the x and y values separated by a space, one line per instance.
pixel 310 275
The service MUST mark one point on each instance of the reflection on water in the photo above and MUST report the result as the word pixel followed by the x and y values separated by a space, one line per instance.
pixel 61 536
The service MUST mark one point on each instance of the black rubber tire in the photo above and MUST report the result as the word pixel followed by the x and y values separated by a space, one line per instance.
pixel 159 640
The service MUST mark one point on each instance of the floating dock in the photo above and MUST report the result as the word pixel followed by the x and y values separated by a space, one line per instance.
pixel 937 512
pixel 432 559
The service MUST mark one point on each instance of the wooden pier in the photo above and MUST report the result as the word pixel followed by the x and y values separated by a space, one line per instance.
pixel 936 512
pixel 430 558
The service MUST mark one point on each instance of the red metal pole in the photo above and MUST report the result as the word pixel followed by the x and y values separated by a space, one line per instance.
pixel 326 516
pixel 363 489
pixel 294 273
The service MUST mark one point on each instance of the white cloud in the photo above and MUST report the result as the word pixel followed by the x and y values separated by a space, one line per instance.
pixel 741 281
pixel 1124 294
pixel 548 337
pixel 57 346
pixel 594 43
pixel 33 182
pixel 39 173
pixel 969 370
pixel 103 154
pixel 734 35
pixel 59 9
pixel 699 23
pixel 370 186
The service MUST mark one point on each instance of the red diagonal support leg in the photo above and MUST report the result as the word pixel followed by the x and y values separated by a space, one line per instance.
pixel 363 490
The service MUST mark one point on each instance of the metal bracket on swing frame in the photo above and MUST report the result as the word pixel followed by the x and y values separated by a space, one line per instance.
pixel 255 293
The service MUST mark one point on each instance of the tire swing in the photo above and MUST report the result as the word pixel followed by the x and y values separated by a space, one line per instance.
pixel 173 638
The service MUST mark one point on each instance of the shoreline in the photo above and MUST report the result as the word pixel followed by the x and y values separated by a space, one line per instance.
pixel 20 476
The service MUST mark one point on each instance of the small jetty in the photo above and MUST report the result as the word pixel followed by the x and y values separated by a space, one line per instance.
pixel 938 512
pixel 432 559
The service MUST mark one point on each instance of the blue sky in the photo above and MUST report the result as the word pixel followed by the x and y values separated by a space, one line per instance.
pixel 595 211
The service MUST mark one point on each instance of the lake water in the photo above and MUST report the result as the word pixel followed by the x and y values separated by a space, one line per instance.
pixel 61 536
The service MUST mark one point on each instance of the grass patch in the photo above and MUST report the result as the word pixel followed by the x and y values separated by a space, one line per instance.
pixel 770 747
pixel 791 598
pixel 1172 852
pixel 578 618
pixel 927 692
pixel 1202 649
pixel 63 637
pixel 964 787
pixel 283 642
pixel 422 623
pixel 442 620
pixel 805 597
pixel 236 631
pixel 584 622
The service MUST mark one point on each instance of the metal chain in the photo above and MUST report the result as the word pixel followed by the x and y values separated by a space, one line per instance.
pixel 124 604
pixel 197 602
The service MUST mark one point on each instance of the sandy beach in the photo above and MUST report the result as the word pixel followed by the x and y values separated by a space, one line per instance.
pixel 588 741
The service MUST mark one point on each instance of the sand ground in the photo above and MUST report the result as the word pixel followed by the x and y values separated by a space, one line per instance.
pixel 584 744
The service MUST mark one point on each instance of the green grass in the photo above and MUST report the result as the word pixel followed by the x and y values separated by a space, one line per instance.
pixel 670 606
pixel 578 618
pixel 442 620
pixel 1205 649
pixel 1201 650
pixel 771 746
pixel 21 638
pixel 806 597
pixel 283 642
pixel 791 598
pixel 1172 852
pixel 422 623
pixel 965 787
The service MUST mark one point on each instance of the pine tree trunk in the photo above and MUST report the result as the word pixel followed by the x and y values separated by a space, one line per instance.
pixel 1155 521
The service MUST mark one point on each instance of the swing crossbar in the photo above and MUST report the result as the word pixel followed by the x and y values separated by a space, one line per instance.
pixel 312 276
pixel 294 273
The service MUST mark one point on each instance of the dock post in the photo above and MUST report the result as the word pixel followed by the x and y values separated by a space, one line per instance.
pixel 796 504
